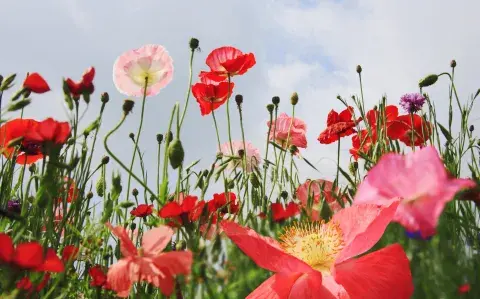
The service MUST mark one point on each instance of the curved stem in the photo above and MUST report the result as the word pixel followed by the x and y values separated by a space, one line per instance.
pixel 137 137
pixel 189 89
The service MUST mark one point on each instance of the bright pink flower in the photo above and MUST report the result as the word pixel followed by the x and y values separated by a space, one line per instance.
pixel 132 68
pixel 316 260
pixel 280 128
pixel 251 153
pixel 419 179
pixel 225 61
pixel 320 190
pixel 147 263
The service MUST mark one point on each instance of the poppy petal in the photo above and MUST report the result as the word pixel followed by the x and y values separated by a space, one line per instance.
pixel 175 262
pixel 278 286
pixel 126 246
pixel 51 263
pixel 155 240
pixel 171 209
pixel 28 255
pixel 35 83
pixel 6 248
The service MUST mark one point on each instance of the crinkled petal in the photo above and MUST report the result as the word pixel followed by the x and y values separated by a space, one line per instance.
pixel 278 286
pixel 174 262
pixel 126 246
pixel 156 239
pixel 118 278
pixel 6 248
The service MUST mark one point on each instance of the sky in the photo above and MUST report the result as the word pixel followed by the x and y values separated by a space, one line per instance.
pixel 308 47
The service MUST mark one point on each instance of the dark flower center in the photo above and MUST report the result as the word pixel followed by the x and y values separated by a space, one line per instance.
pixel 31 148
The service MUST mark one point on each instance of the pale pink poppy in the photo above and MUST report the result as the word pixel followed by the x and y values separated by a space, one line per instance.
pixel 147 263
pixel 319 190
pixel 251 153
pixel 280 128
pixel 316 260
pixel 132 68
pixel 419 179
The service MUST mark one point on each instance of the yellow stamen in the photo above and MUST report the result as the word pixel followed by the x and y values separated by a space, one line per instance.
pixel 140 251
pixel 317 243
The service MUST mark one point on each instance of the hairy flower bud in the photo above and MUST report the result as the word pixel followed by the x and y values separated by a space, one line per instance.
pixel 176 153
pixel 128 106
pixel 276 100
pixel 428 80
pixel 194 43
pixel 270 108
pixel 239 99
pixel 135 192
pixel 294 99
pixel 105 160
pixel 284 194
pixel 453 63
pixel 104 97
pixel 359 69
pixel 159 138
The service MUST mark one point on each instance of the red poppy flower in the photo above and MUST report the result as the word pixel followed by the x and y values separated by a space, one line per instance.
pixel 464 288
pixel 83 86
pixel 28 255
pixel 26 284
pixel 72 190
pixel 35 83
pixel 186 209
pixel 220 202
pixel 227 61
pixel 30 151
pixel 142 210
pixel 70 252
pixel 51 131
pixel 391 114
pixel 361 142
pixel 99 278
pixel 403 130
pixel 280 213
pixel 210 96
pixel 338 125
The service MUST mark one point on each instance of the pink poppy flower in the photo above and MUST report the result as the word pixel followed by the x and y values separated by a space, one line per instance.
pixel 132 68
pixel 252 153
pixel 280 128
pixel 319 190
pixel 419 179
pixel 316 260
pixel 147 263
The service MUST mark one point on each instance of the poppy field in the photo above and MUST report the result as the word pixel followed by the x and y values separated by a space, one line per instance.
pixel 400 220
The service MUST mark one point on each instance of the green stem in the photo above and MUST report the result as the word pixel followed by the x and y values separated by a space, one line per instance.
pixel 189 89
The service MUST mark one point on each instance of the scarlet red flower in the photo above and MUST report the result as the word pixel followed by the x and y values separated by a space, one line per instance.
pixel 99 278
pixel 83 86
pixel 185 209
pixel 50 130
pixel 210 96
pixel 280 213
pixel 35 83
pixel 70 252
pixel 403 129
pixel 227 61
pixel 220 202
pixel 338 125
pixel 362 142
pixel 464 288
pixel 391 114
pixel 72 190
pixel 142 210
pixel 26 284
pixel 29 256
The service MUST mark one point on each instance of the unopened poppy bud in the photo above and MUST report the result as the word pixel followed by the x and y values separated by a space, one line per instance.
pixel 176 153
pixel 104 97
pixel 90 195
pixel 428 80
pixel 181 245
pixel 270 108
pixel 131 136
pixel 230 184
pixel 241 152
pixel 453 63
pixel 219 155
pixel 19 105
pixel 32 168
pixel 126 204
pixel 471 128
pixel 293 149
pixel 359 69
pixel 6 82
pixel 159 138
pixel 128 106
pixel 105 160
pixel 294 99
pixel 135 192
pixel 169 137
pixel 194 43
pixel 276 100
pixel 133 226
pixel 254 180
pixel 239 99
pixel 284 194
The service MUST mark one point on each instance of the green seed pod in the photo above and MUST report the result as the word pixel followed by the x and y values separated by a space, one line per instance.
pixel 176 153
pixel 93 126
pixel 254 180
pixel 100 186
pixel 428 80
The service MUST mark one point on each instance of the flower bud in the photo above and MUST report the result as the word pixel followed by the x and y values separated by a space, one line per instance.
pixel 133 226
pixel 471 128
pixel 100 186
pixel 194 43
pixel 176 153
pixel 104 97
pixel 32 168
pixel 159 138
pixel 294 99
pixel 428 80
pixel 126 204
pixel 276 100
pixel 93 126
pixel 169 137
pixel 359 69
pixel 90 195
pixel 453 63
pixel 19 105
pixel 135 192
pixel 131 136
pixel 284 194
pixel 270 108
pixel 105 160
pixel 230 184
pixel 239 99
pixel 375 107
pixel 128 106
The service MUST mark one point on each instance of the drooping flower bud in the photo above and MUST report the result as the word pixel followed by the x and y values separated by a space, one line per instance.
pixel 128 106
pixel 428 80
pixel 176 153
pixel 294 99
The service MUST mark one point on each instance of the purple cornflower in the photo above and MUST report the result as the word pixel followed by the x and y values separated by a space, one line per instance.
pixel 14 206
pixel 412 102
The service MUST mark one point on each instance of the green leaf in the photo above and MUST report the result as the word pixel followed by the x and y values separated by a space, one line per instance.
pixel 445 132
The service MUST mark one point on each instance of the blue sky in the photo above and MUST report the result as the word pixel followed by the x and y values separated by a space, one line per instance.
pixel 311 47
